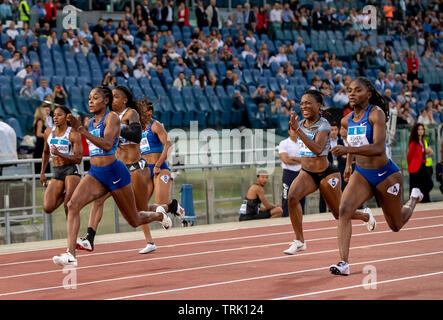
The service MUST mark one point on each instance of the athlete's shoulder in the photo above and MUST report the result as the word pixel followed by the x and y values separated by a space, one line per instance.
pixel 345 119
pixel 377 113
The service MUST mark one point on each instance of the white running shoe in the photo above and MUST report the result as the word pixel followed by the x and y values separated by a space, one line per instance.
pixel 371 224
pixel 166 222
pixel 149 248
pixel 416 193
pixel 296 245
pixel 84 244
pixel 341 269
pixel 65 259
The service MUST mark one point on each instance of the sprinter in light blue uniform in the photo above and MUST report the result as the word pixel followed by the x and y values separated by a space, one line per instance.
pixel 316 170
pixel 107 174
pixel 64 146
pixel 375 174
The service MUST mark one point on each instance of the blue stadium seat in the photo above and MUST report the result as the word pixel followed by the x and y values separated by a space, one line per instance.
pixel 10 106
pixel 17 128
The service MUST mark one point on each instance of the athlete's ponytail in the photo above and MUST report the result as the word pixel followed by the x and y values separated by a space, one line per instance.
pixel 376 98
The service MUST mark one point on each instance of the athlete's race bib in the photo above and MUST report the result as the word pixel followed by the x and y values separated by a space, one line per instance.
pixel 93 149
pixel 144 143
pixel 62 145
pixel 357 136
pixel 304 150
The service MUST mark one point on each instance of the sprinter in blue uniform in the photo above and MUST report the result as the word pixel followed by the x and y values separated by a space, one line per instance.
pixel 64 146
pixel 375 174
pixel 107 174
pixel 154 147
pixel 128 151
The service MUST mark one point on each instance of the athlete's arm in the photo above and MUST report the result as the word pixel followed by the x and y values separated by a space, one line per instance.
pixel 133 130
pixel 45 156
pixel 261 196
pixel 289 160
pixel 160 131
pixel 77 147
pixel 318 144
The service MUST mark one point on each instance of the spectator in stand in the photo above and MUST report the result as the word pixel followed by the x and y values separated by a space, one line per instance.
pixel 180 81
pixel 5 11
pixel 213 15
pixel 212 80
pixel 299 44
pixel 262 21
pixel 238 19
pixel 125 72
pixel 249 17
pixel 239 101
pixel 26 72
pixel 288 18
pixel 168 14
pixel 75 48
pixel 157 16
pixel 51 13
pixel 418 150
pixel 12 32
pixel 16 62
pixel 59 95
pixel 85 32
pixel 228 80
pixel 28 91
pixel 85 47
pixel 43 90
pixel 412 65
pixel 182 15
pixel 98 48
pixel 341 97
pixel 200 14
pixel 260 96
pixel 275 17
pixel 107 80
pixel 426 116
pixel 36 71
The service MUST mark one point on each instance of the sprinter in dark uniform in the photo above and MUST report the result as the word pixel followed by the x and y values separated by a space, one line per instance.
pixel 317 172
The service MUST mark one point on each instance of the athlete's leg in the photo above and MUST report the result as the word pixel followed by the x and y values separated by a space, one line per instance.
pixel 356 193
pixel 330 188
pixel 150 189
pixel 54 195
pixel 163 187
pixel 389 194
pixel 88 190
pixel 71 182
pixel 300 187
pixel 125 200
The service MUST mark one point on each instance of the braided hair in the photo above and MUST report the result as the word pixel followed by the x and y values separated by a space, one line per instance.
pixel 107 92
pixel 376 98
pixel 129 96
pixel 139 105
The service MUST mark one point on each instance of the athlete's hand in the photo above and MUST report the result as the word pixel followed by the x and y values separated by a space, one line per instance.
pixel 339 150
pixel 347 173
pixel 74 122
pixel 156 170
pixel 293 123
pixel 54 150
pixel 43 180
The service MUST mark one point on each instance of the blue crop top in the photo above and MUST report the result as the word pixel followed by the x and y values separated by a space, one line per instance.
pixel 98 131
pixel 360 133
pixel 150 142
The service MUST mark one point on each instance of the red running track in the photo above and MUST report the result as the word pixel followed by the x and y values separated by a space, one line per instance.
pixel 243 264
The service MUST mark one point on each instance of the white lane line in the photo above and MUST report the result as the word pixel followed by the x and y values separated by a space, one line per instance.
pixel 86 255
pixel 270 276
pixel 211 232
pixel 360 285
pixel 205 252
pixel 218 265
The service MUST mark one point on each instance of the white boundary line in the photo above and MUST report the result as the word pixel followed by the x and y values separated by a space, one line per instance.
pixel 360 285
pixel 202 253
pixel 222 227
pixel 271 276
pixel 229 264
pixel 225 239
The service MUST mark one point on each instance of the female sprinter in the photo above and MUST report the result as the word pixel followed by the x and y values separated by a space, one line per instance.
pixel 375 174
pixel 128 151
pixel 154 147
pixel 64 146
pixel 317 172
pixel 107 174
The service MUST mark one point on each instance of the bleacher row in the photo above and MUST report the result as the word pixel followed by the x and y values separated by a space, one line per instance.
pixel 79 73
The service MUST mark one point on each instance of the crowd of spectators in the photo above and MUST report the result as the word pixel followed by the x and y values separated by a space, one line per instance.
pixel 142 44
